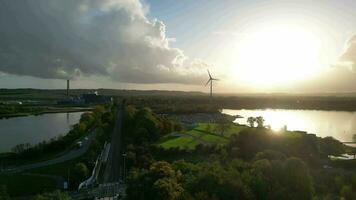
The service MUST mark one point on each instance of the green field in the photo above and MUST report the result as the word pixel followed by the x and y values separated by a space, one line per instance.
pixel 184 142
pixel 203 133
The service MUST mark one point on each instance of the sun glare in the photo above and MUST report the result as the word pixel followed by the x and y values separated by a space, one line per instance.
pixel 278 55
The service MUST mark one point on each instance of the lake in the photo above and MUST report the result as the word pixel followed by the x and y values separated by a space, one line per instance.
pixel 35 129
pixel 338 124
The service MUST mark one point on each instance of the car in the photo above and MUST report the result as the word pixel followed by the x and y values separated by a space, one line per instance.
pixel 79 144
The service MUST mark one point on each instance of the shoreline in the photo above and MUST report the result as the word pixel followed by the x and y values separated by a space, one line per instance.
pixel 49 111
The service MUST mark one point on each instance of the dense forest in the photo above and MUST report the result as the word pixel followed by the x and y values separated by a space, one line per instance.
pixel 255 164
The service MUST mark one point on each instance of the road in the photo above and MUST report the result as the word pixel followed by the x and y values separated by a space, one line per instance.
pixel 110 186
pixel 112 169
pixel 72 154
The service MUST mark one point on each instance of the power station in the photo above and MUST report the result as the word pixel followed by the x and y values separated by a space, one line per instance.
pixel 85 98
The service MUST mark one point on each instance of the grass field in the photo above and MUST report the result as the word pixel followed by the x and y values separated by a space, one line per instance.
pixel 203 133
pixel 24 185
pixel 184 142
pixel 234 128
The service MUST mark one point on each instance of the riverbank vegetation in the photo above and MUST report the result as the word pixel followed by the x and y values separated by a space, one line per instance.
pixel 252 163
pixel 76 170
pixel 9 111
pixel 25 153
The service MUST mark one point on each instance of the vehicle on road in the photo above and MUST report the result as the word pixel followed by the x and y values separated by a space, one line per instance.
pixel 79 144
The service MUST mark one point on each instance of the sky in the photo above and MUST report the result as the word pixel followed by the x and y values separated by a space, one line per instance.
pixel 250 45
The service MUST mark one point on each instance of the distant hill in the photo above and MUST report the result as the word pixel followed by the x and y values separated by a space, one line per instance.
pixel 53 94
pixel 182 100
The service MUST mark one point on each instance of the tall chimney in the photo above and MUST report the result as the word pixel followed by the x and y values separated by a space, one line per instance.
pixel 67 88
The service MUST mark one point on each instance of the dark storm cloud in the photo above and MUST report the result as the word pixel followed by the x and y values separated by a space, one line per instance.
pixel 64 39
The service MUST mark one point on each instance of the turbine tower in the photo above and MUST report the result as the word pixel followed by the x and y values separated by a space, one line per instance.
pixel 67 87
pixel 210 80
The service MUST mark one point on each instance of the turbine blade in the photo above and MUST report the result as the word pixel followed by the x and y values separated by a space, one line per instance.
pixel 215 79
pixel 207 82
pixel 209 74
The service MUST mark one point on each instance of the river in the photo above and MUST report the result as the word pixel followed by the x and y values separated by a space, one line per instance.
pixel 338 124
pixel 34 129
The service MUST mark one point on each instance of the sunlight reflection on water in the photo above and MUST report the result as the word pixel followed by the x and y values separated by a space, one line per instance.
pixel 338 124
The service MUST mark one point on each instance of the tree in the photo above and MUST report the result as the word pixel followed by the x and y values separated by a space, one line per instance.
pixel 298 180
pixel 347 192
pixel 56 195
pixel 354 137
pixel 82 128
pixel 87 118
pixel 159 182
pixel 260 121
pixel 249 142
pixel 3 193
pixel 270 155
pixel 216 182
pixel 98 110
pixel 222 125
pixel 208 128
pixel 251 121
pixel 167 188
pixel 79 173
pixel 331 146
pixel 20 148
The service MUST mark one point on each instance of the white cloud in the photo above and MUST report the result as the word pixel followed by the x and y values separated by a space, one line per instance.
pixel 114 38
pixel 348 58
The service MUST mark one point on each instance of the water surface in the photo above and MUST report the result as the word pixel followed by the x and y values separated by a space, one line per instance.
pixel 338 124
pixel 34 129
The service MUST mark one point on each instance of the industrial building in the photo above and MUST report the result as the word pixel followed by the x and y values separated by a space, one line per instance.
pixel 89 98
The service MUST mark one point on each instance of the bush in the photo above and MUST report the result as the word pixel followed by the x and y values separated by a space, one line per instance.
pixel 56 195
pixel 78 173
pixel 159 182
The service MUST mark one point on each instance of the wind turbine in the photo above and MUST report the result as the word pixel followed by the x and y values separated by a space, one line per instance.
pixel 210 80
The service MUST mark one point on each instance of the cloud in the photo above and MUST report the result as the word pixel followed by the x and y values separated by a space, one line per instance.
pixel 348 58
pixel 114 38
pixel 229 33
pixel 332 80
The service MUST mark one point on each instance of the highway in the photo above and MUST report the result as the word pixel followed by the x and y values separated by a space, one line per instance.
pixel 110 184
pixel 72 154
pixel 112 169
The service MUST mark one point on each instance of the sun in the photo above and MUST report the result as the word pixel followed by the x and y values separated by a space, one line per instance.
pixel 276 55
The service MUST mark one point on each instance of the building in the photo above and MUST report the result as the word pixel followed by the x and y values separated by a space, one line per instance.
pixel 95 98
pixel 71 101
